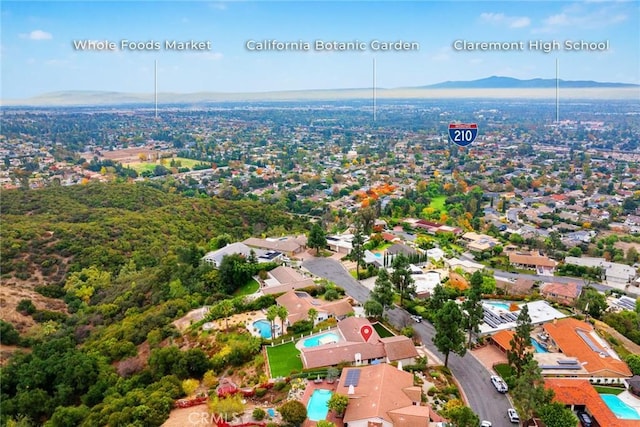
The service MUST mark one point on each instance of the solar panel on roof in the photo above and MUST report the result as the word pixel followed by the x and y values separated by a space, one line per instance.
pixel 353 377
pixel 567 367
pixel 567 361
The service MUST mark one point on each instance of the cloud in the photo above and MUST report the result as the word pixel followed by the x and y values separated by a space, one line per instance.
pixel 37 35
pixel 505 20
pixel 584 16
pixel 218 6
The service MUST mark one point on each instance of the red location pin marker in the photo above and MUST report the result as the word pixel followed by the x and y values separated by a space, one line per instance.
pixel 366 332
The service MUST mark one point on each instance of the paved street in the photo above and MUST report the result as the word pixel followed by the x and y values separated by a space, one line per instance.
pixel 472 376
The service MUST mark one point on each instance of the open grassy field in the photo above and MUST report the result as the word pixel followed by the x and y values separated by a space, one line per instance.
pixel 283 359
pixel 437 203
pixel 140 167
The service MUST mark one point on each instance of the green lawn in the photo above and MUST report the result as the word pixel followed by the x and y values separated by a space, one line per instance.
pixel 283 359
pixel 504 370
pixel 608 390
pixel 187 163
pixel 249 288
pixel 382 331
pixel 437 203
pixel 142 167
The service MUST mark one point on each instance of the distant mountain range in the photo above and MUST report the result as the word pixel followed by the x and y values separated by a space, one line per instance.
pixel 497 82
pixel 491 87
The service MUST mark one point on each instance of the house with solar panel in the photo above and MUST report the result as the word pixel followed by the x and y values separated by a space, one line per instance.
pixel 347 345
pixel 381 396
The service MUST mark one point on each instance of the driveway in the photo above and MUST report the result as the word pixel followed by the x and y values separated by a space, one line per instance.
pixel 472 376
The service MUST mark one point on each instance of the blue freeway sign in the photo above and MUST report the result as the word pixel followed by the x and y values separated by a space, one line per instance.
pixel 463 134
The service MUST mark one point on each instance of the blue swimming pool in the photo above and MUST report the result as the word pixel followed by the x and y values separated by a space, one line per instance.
pixel 271 412
pixel 264 326
pixel 318 408
pixel 500 305
pixel 317 340
pixel 538 347
pixel 619 408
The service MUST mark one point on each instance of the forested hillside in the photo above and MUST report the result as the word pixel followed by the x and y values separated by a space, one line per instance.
pixel 61 229
pixel 125 258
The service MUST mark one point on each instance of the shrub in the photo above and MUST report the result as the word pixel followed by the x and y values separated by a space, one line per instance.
pixel 26 307
pixel 259 414
pixel 261 392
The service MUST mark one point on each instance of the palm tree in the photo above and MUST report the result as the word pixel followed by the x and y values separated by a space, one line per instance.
pixel 282 314
pixel 272 313
pixel 313 315
pixel 227 309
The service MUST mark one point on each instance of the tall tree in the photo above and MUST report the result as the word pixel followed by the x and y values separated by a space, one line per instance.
pixel 473 306
pixel 357 250
pixel 383 289
pixel 462 416
pixel 438 298
pixel 373 308
pixel 401 277
pixel 529 394
pixel 449 335
pixel 282 315
pixel 313 315
pixel 227 309
pixel 272 313
pixel 592 301
pixel 519 355
pixel 555 414
pixel 317 238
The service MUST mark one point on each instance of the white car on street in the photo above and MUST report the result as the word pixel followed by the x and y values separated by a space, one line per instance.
pixel 513 415
pixel 499 384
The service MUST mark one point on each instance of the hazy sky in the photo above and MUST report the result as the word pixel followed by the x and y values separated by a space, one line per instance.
pixel 38 55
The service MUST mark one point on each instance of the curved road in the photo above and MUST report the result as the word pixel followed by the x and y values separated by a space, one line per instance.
pixel 472 376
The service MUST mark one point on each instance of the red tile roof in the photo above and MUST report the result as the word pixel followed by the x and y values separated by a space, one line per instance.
pixel 568 334
pixel 581 392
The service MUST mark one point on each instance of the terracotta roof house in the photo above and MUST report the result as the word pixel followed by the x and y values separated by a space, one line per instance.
pixel 544 266
pixel 579 394
pixel 563 293
pixel 299 303
pixel 353 348
pixel 584 353
pixel 382 396
pixel 283 279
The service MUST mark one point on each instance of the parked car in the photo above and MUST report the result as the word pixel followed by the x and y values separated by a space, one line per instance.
pixel 485 423
pixel 499 384
pixel 417 318
pixel 513 415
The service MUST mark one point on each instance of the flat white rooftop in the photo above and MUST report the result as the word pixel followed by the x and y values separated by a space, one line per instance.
pixel 498 317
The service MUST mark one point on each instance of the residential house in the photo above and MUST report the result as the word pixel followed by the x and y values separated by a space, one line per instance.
pixel 616 275
pixel 299 303
pixel 283 279
pixel 382 396
pixel 563 293
pixel 290 246
pixel 352 347
pixel 215 257
pixel 543 265
pixel 579 395
pixel 479 242
pixel 341 243
pixel 580 353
